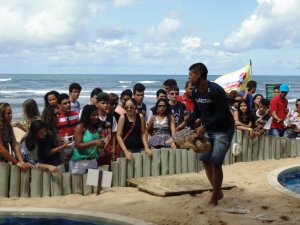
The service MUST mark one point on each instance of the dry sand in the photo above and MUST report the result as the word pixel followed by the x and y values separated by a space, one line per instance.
pixel 252 191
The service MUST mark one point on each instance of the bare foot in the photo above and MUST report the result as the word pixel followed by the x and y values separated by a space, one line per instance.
pixel 213 201
pixel 221 195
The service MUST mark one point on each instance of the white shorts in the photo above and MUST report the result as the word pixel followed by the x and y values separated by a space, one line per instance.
pixel 82 166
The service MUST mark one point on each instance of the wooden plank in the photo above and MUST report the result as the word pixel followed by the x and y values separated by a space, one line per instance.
pixel 15 180
pixel 283 147
pixel 174 184
pixel 278 147
pixel 255 149
pixel 130 168
pixel 244 145
pixel 298 147
pixel 272 147
pixel 293 147
pixel 4 179
pixel 249 149
pixel 288 148
pixel 267 147
pixel 56 184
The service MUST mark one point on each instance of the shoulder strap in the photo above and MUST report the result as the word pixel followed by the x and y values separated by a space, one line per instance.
pixel 132 127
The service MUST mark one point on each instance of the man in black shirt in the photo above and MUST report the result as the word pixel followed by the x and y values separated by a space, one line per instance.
pixel 210 104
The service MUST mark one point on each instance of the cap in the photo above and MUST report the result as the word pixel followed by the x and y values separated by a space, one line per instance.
pixel 284 88
pixel 102 96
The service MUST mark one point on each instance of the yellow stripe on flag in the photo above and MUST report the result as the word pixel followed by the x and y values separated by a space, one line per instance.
pixel 236 80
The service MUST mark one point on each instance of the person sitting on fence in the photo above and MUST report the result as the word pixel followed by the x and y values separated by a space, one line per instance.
pixel 292 122
pixel 8 139
pixel 242 117
pixel 38 148
pixel 261 118
pixel 131 133
pixel 87 142
pixel 161 125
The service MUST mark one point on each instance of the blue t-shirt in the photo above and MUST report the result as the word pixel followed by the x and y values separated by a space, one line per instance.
pixel 212 107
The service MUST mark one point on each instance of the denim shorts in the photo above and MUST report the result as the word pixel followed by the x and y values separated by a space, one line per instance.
pixel 221 141
pixel 82 166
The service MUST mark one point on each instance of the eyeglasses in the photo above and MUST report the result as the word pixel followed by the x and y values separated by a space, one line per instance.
pixel 174 93
pixel 162 106
pixel 129 107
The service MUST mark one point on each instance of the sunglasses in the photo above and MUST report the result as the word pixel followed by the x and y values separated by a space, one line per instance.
pixel 174 93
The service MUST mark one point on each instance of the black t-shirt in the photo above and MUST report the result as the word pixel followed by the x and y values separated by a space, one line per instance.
pixel 258 120
pixel 134 141
pixel 44 148
pixel 212 107
pixel 178 112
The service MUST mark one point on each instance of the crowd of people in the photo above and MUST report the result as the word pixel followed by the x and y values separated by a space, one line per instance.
pixel 69 136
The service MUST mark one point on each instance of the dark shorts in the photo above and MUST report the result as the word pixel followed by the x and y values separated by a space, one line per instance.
pixel 221 142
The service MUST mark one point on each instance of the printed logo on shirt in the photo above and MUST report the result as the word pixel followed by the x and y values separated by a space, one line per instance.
pixel 203 100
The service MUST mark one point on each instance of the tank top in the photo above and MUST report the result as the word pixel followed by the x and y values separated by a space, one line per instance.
pixel 134 141
pixel 91 152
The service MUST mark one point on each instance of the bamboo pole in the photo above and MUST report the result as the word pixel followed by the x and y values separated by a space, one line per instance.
pixel 184 161
pixel 56 184
pixel 4 179
pixel 46 184
pixel 138 165
pixel 77 183
pixel 146 165
pixel 15 180
pixel 25 184
pixel 178 161
pixel 156 162
pixel 267 147
pixel 36 184
pixel 122 171
pixel 115 175
pixel 172 161
pixel 86 189
pixel 245 142
pixel 164 161
pixel 66 183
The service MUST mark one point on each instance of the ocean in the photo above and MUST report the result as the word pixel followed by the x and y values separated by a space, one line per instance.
pixel 16 88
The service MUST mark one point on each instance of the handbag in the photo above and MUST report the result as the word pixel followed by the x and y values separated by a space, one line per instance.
pixel 118 147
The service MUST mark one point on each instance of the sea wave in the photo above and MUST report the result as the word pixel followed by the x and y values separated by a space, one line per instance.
pixel 124 82
pixel 5 79
pixel 148 81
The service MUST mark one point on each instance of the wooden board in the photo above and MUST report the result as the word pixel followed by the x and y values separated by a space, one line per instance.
pixel 173 184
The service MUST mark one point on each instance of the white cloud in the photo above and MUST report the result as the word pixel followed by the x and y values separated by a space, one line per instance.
pixel 43 22
pixel 122 3
pixel 274 24
pixel 191 42
pixel 165 29
pixel 216 44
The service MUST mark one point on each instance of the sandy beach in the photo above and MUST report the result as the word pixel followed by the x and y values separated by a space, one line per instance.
pixel 252 192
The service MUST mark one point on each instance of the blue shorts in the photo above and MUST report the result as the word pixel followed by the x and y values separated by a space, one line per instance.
pixel 221 142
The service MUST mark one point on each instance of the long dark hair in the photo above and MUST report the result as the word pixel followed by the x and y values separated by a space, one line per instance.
pixel 166 101
pixel 87 111
pixel 31 138
pixel 255 96
pixel 49 117
pixel 248 112
pixel 55 93
pixel 31 110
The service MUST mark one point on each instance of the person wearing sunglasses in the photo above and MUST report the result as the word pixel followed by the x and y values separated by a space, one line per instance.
pixel 131 133
pixel 177 108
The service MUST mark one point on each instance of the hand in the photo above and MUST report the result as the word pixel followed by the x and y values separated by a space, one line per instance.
pixel 200 131
pixel 128 155
pixel 100 143
pixel 53 169
pixel 71 144
pixel 24 166
pixel 148 151
pixel 279 120
pixel 181 126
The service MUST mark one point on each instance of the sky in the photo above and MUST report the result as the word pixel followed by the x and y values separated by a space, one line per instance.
pixel 149 36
